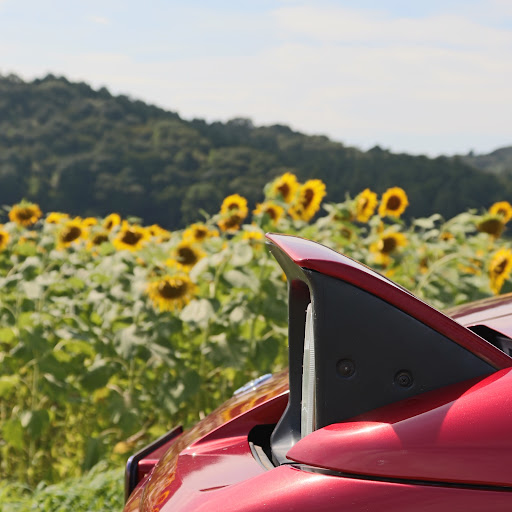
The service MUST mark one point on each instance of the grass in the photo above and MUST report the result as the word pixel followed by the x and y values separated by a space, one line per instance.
pixel 99 490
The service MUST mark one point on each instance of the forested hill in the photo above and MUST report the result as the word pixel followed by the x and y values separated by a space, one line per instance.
pixel 71 148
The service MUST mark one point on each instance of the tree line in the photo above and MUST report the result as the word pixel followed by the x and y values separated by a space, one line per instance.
pixel 71 148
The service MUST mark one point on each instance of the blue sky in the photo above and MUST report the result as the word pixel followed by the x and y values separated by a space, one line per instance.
pixel 421 77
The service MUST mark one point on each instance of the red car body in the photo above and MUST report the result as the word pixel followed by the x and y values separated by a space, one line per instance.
pixel 405 408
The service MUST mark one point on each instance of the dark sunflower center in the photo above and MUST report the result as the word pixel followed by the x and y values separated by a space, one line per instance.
pixel 131 237
pixel 200 233
pixel 2 238
pixel 491 226
pixel 172 291
pixel 394 203
pixel 187 256
pixel 284 190
pixel 109 225
pixel 502 212
pixel 345 232
pixel 363 203
pixel 233 206
pixel 307 198
pixel 388 244
pixel 71 233
pixel 232 222
pixel 25 213
pixel 99 239
pixel 500 267
pixel 271 213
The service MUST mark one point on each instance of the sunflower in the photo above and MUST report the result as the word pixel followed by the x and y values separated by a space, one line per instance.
pixel 446 236
pixel 110 222
pixel 424 265
pixel 499 269
pixel 234 204
pixel 4 238
pixel 187 255
pixel 56 217
pixel 366 202
pixel 72 231
pixel 130 237
pixel 387 244
pixel 159 233
pixel 25 214
pixel 492 225
pixel 394 202
pixel 273 211
pixel 171 293
pixel 308 200
pixel 285 187
pixel 346 233
pixel 253 236
pixel 230 224
pixel 198 232
pixel 98 238
pixel 90 221
pixel 503 209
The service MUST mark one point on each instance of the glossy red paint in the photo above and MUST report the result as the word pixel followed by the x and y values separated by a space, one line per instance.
pixel 288 489
pixel 147 464
pixel 420 454
pixel 460 434
pixel 482 310
pixel 494 312
pixel 215 453
pixel 314 256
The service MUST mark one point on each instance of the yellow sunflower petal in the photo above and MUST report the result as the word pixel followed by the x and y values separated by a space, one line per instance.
pixel 4 239
pixel 308 200
pixel 502 209
pixel 56 217
pixel 500 267
pixel 234 204
pixel 187 255
pixel 230 224
pixel 131 237
pixel 171 293
pixel 285 187
pixel 366 202
pixel 198 232
pixel 394 202
pixel 25 214
pixel 111 221
pixel 272 210
pixel 387 244
pixel 71 232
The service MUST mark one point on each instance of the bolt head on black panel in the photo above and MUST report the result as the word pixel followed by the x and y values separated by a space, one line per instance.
pixel 404 379
pixel 345 368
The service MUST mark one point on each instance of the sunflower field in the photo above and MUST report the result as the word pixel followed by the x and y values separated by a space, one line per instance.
pixel 112 332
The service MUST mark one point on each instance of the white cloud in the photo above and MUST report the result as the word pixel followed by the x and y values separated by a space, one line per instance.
pixel 99 20
pixel 350 26
pixel 434 84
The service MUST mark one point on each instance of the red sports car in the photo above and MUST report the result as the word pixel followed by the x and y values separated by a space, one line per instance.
pixel 388 404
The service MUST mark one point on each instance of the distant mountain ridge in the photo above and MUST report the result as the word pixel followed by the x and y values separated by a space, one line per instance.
pixel 498 161
pixel 71 148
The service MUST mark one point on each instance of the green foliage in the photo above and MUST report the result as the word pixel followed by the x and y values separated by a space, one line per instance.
pixel 103 348
pixel 90 369
pixel 98 490
pixel 71 148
